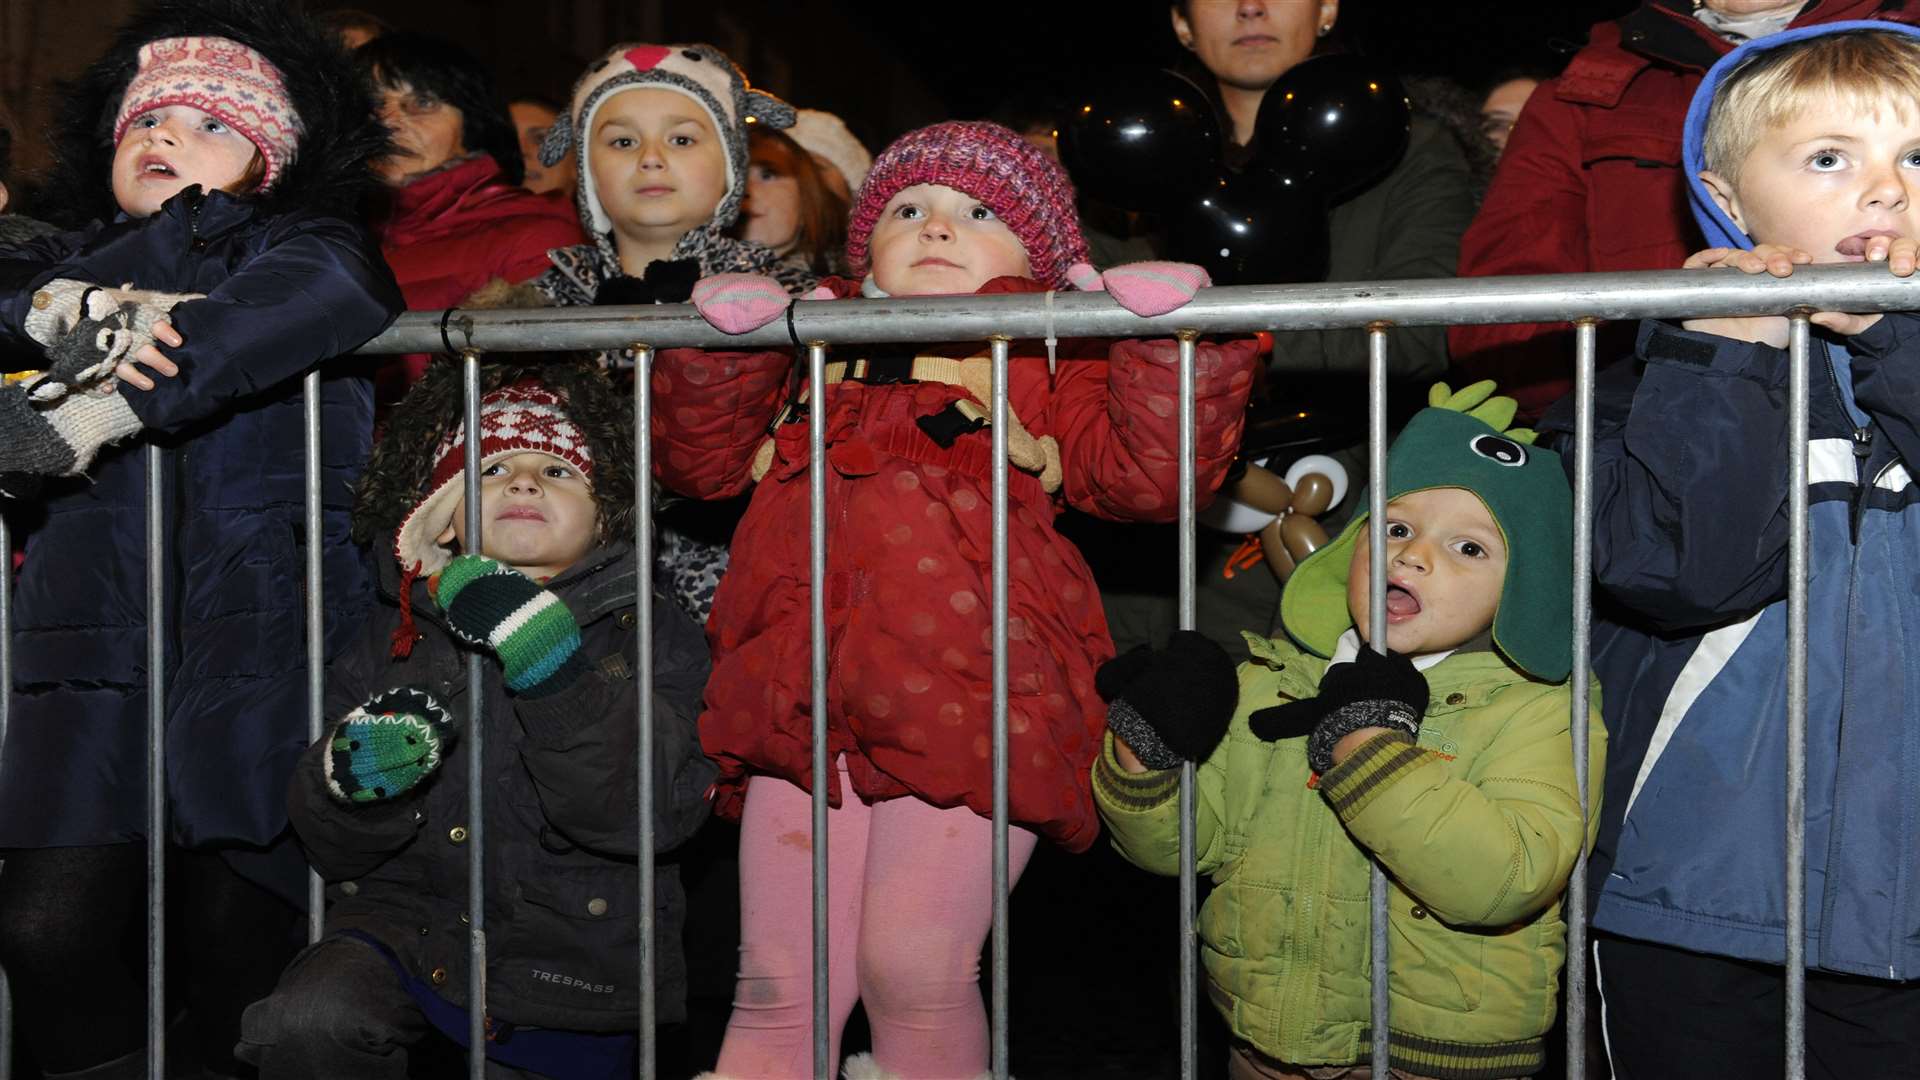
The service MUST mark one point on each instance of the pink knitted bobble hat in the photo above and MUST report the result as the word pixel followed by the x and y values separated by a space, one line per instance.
pixel 225 79
pixel 1025 189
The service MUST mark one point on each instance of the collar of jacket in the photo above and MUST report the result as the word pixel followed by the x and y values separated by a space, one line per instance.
pixel 597 585
pixel 1665 32
pixel 1467 679
pixel 420 206
pixel 205 216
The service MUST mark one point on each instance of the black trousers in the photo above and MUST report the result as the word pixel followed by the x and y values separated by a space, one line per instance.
pixel 1673 1013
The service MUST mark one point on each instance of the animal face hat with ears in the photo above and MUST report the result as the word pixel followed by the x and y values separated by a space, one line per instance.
pixel 702 73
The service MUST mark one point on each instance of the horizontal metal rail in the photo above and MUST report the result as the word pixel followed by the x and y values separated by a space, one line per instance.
pixel 1658 294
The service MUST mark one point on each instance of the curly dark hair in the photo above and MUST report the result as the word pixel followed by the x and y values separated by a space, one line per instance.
pixel 402 462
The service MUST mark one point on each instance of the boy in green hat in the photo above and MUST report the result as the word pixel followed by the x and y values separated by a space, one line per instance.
pixel 1448 758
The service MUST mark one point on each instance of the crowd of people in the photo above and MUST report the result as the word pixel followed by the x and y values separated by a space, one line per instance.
pixel 242 194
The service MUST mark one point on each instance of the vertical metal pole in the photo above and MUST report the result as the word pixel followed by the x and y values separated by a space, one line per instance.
pixel 1189 893
pixel 817 604
pixel 6 704
pixel 156 765
pixel 1576 1001
pixel 316 623
pixel 1001 885
pixel 643 601
pixel 476 757
pixel 1796 1048
pixel 1377 622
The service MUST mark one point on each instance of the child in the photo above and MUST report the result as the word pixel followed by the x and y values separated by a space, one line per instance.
pixel 953 208
pixel 381 801
pixel 219 147
pixel 658 134
pixel 1802 149
pixel 1448 759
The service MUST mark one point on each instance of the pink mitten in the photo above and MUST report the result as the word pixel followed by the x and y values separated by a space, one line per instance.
pixel 1144 288
pixel 737 303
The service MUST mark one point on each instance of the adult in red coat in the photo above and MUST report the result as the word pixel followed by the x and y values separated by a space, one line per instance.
pixel 1591 179
pixel 455 216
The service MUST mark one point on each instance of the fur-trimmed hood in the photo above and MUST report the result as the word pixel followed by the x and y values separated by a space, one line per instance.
pixel 341 136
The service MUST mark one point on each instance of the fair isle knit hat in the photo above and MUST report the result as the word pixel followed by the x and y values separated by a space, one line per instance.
pixel 702 73
pixel 521 417
pixel 224 79
pixel 1027 190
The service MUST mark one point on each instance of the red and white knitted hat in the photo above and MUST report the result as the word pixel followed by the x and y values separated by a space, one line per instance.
pixel 1025 189
pixel 525 416
pixel 225 79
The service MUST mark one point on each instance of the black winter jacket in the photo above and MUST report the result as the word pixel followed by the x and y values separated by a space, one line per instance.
pixel 562 819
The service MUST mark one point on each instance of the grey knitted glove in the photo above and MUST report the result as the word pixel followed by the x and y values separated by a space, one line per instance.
pixel 88 329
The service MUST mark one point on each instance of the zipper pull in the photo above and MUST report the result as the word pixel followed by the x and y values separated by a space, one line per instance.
pixel 1862 450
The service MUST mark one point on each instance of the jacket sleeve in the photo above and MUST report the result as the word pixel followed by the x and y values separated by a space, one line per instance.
pixel 1118 425
pixel 1689 477
pixel 582 743
pixel 1488 852
pixel 1886 382
pixel 1533 221
pixel 711 411
pixel 341 841
pixel 1419 212
pixel 1142 812
pixel 317 292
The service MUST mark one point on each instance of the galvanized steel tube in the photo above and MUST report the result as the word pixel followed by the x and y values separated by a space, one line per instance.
pixel 823 1069
pixel 1584 336
pixel 1189 892
pixel 316 620
pixel 476 752
pixel 1377 625
pixel 156 763
pixel 1796 808
pixel 1001 884
pixel 643 674
pixel 6 705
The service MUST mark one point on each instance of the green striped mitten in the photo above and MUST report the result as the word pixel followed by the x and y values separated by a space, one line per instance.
pixel 528 627
pixel 384 748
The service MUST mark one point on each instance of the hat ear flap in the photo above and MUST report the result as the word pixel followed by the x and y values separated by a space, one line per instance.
pixel 769 110
pixel 559 140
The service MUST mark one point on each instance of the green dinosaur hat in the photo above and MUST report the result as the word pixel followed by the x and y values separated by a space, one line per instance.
pixel 1461 442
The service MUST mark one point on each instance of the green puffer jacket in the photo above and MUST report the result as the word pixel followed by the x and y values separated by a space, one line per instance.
pixel 1478 826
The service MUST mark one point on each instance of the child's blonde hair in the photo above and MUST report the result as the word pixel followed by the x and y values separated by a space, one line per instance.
pixel 1860 69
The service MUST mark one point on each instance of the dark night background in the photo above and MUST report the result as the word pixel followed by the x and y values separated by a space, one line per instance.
pixel 1093 962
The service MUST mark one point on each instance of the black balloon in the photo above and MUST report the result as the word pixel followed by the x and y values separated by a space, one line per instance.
pixel 1256 227
pixel 1141 140
pixel 1344 118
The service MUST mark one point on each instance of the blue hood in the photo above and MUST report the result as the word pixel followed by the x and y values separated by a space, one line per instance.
pixel 1715 225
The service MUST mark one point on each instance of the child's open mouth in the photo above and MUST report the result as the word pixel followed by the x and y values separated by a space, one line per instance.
pixel 153 166
pixel 1402 603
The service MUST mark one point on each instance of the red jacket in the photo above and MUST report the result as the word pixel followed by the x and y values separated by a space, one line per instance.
pixel 1591 180
pixel 449 232
pixel 909 564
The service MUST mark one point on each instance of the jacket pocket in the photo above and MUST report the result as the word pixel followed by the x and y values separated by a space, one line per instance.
pixel 1434 964
pixel 577 938
pixel 1636 194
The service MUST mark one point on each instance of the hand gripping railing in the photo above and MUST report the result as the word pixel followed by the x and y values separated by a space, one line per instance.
pixel 1375 307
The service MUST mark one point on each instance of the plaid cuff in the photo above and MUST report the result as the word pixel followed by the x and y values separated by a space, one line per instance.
pixel 1133 793
pixel 1379 762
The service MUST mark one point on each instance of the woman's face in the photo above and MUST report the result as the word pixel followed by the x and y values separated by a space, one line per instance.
pixel 427 133
pixel 772 208
pixel 1247 44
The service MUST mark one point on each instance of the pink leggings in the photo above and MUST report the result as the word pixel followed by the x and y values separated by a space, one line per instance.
pixel 910 895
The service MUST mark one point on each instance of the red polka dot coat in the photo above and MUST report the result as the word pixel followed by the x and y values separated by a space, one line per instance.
pixel 909 565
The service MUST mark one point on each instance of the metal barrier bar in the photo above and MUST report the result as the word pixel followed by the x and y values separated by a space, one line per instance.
pixel 1377 623
pixel 316 622
pixel 1232 309
pixel 156 765
pixel 6 706
pixel 1797 399
pixel 476 756
pixel 823 1068
pixel 1189 589
pixel 1002 883
pixel 643 672
pixel 1585 335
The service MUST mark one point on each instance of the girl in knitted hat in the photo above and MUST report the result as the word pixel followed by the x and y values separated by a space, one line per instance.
pixel 547 593
pixel 216 155
pixel 953 208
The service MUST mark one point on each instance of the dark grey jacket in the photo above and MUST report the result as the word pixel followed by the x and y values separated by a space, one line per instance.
pixel 562 817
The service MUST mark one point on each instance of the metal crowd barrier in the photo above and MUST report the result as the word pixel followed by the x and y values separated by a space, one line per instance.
pixel 1376 307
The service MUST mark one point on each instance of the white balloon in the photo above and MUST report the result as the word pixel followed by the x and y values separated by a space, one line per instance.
pixel 1325 466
